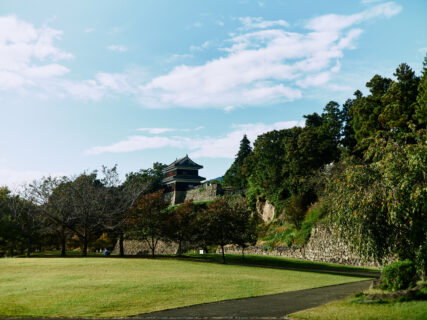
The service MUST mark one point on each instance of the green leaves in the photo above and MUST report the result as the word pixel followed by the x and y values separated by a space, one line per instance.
pixel 380 205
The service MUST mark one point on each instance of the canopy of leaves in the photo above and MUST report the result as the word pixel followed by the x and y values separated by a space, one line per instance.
pixel 380 203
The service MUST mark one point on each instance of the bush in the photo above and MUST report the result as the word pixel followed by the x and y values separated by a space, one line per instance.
pixel 398 275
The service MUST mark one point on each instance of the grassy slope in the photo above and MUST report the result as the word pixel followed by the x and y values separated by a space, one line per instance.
pixel 105 287
pixel 345 309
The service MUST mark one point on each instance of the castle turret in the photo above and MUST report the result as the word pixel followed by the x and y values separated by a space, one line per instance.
pixel 180 176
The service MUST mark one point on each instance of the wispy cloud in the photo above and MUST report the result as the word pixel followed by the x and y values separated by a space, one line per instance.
pixel 199 147
pixel 117 48
pixel 264 66
pixel 165 130
pixel 203 46
pixel 89 30
pixel 370 1
pixel 260 23
pixel 263 63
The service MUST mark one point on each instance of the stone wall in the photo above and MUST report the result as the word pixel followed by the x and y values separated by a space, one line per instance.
pixel 323 246
pixel 199 193
pixel 204 193
pixel 136 247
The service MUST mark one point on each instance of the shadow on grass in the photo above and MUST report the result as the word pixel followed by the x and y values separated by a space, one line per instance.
pixel 259 261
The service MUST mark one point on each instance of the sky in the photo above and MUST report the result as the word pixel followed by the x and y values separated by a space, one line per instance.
pixel 90 83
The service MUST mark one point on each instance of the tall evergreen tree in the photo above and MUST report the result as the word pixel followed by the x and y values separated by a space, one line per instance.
pixel 236 175
pixel 400 100
pixel 421 108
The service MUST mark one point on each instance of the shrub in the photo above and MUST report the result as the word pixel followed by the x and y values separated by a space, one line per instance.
pixel 398 275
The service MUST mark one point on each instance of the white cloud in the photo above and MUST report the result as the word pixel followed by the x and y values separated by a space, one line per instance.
pixel 263 66
pixel 203 46
pixel 89 30
pixel 175 57
pixel 199 147
pixel 333 22
pixel 229 108
pixel 15 178
pixel 165 130
pixel 117 48
pixel 156 130
pixel 260 23
pixel 28 54
pixel 370 1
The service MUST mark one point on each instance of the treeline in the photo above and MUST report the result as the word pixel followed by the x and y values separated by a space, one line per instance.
pixel 364 161
pixel 75 211
pixel 92 212
pixel 225 220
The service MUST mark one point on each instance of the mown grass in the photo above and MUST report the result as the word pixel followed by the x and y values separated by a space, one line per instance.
pixel 346 309
pixel 113 287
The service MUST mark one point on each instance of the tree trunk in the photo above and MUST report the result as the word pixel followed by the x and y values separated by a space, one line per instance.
pixel 122 249
pixel 152 247
pixel 28 246
pixel 63 241
pixel 84 253
pixel 179 247
pixel 243 253
pixel 223 255
pixel 12 253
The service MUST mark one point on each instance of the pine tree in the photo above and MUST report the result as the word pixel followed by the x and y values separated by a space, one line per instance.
pixel 421 109
pixel 236 174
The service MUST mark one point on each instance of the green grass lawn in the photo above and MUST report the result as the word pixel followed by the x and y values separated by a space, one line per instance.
pixel 107 287
pixel 345 309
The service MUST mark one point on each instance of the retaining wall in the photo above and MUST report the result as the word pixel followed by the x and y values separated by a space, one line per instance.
pixel 323 246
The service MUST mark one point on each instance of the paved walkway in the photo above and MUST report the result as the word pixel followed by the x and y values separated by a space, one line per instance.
pixel 275 306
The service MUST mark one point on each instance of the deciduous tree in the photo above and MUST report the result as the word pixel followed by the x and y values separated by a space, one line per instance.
pixel 147 219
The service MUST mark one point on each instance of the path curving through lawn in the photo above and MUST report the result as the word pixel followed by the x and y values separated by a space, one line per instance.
pixel 275 306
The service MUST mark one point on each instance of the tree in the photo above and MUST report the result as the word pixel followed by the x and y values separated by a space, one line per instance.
pixel 147 219
pixel 421 108
pixel 121 197
pixel 9 229
pixel 245 233
pixel 217 224
pixel 27 216
pixel 268 178
pixel 181 223
pixel 380 203
pixel 366 110
pixel 236 175
pixel 400 100
pixel 90 207
pixel 51 196
pixel 347 136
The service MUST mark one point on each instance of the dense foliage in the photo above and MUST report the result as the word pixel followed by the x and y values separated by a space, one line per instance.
pixel 398 275
pixel 236 175
pixel 365 161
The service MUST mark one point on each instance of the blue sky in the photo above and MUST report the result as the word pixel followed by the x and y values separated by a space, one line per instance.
pixel 91 83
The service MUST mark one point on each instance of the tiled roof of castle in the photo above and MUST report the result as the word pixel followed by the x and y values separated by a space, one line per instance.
pixel 183 162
